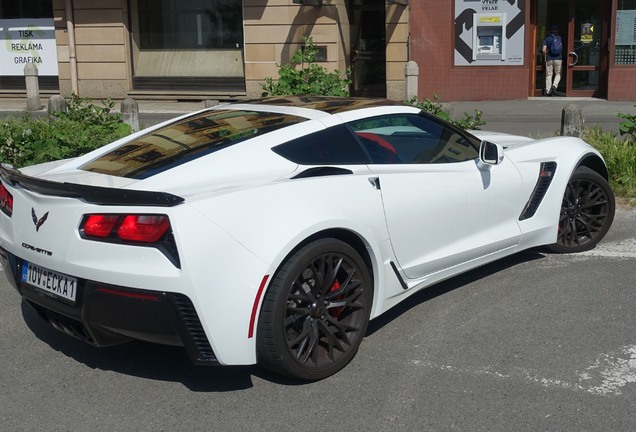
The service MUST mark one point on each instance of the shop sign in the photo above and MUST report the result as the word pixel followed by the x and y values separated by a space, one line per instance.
pixel 24 41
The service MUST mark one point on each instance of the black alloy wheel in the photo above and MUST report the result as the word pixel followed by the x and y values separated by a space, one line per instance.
pixel 315 312
pixel 587 212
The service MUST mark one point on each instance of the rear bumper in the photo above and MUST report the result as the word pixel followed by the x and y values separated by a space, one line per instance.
pixel 105 315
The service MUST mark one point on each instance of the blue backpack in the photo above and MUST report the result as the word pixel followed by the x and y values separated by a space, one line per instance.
pixel 556 47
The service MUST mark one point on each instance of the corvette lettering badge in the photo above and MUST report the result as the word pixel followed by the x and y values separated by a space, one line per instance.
pixel 38 222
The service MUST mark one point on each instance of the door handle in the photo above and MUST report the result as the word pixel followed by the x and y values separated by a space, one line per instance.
pixel 576 58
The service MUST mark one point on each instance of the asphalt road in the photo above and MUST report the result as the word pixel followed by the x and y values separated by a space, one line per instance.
pixel 533 342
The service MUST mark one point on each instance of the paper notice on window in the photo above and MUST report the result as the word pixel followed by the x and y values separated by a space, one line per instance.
pixel 626 27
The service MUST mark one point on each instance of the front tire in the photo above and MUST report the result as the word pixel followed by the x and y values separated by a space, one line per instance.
pixel 315 312
pixel 587 212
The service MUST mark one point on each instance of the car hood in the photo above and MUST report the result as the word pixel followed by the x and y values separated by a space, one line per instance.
pixel 503 139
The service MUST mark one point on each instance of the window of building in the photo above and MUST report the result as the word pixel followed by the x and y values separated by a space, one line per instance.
pixel 187 45
pixel 625 47
pixel 190 24
pixel 12 9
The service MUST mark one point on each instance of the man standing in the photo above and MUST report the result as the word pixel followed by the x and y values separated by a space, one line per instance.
pixel 552 51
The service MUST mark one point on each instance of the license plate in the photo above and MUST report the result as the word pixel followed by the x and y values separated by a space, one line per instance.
pixel 58 284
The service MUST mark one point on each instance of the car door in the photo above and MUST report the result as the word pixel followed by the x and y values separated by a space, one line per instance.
pixel 442 206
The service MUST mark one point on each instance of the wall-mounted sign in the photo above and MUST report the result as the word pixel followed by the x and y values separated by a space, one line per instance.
pixel 489 32
pixel 24 41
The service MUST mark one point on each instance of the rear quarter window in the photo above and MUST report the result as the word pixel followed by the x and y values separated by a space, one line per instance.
pixel 333 146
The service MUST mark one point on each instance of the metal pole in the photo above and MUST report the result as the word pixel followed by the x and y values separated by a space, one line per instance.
pixel 72 54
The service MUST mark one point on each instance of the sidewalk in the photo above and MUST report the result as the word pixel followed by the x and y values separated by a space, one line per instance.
pixel 537 117
pixel 541 116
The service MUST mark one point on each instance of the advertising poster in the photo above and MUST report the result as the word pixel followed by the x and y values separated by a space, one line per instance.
pixel 24 41
pixel 489 32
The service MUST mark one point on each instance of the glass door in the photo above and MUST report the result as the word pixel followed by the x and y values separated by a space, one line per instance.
pixel 583 26
pixel 584 48
pixel 368 51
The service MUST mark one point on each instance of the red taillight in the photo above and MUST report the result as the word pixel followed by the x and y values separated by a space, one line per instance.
pixel 143 228
pixel 100 225
pixel 132 227
pixel 6 200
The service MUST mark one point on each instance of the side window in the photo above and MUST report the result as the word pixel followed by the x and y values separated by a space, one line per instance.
pixel 332 146
pixel 413 138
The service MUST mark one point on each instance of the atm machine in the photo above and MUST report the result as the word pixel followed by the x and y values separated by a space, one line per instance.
pixel 489 42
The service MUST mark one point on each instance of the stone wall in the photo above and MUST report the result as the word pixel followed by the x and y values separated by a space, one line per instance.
pixel 102 48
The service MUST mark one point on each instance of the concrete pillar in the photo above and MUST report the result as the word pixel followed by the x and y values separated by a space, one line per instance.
pixel 572 121
pixel 32 87
pixel 130 113
pixel 209 103
pixel 57 104
pixel 412 75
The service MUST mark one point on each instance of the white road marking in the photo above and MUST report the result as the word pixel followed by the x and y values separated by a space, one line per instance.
pixel 614 370
pixel 605 377
pixel 618 249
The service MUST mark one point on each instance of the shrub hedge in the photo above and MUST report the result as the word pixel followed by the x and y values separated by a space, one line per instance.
pixel 84 127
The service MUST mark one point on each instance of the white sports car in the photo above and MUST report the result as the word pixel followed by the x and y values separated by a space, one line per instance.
pixel 271 231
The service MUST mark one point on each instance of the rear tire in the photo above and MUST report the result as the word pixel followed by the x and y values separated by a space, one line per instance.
pixel 315 312
pixel 587 212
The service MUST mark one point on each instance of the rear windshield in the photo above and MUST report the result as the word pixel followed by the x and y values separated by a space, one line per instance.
pixel 186 140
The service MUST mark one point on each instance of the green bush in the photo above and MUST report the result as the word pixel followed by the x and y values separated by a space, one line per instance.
pixel 628 125
pixel 620 156
pixel 84 127
pixel 470 121
pixel 304 77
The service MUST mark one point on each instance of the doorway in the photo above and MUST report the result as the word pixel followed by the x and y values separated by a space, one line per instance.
pixel 368 47
pixel 583 26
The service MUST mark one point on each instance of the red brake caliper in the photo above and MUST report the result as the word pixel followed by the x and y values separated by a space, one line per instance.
pixel 335 312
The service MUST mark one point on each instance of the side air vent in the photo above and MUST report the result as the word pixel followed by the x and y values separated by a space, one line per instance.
pixel 546 174
pixel 195 340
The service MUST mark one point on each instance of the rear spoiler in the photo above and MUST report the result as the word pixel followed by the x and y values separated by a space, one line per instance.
pixel 91 194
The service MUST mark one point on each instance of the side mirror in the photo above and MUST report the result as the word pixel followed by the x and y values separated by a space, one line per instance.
pixel 491 153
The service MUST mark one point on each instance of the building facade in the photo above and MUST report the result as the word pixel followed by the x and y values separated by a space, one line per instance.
pixel 491 49
pixel 224 49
